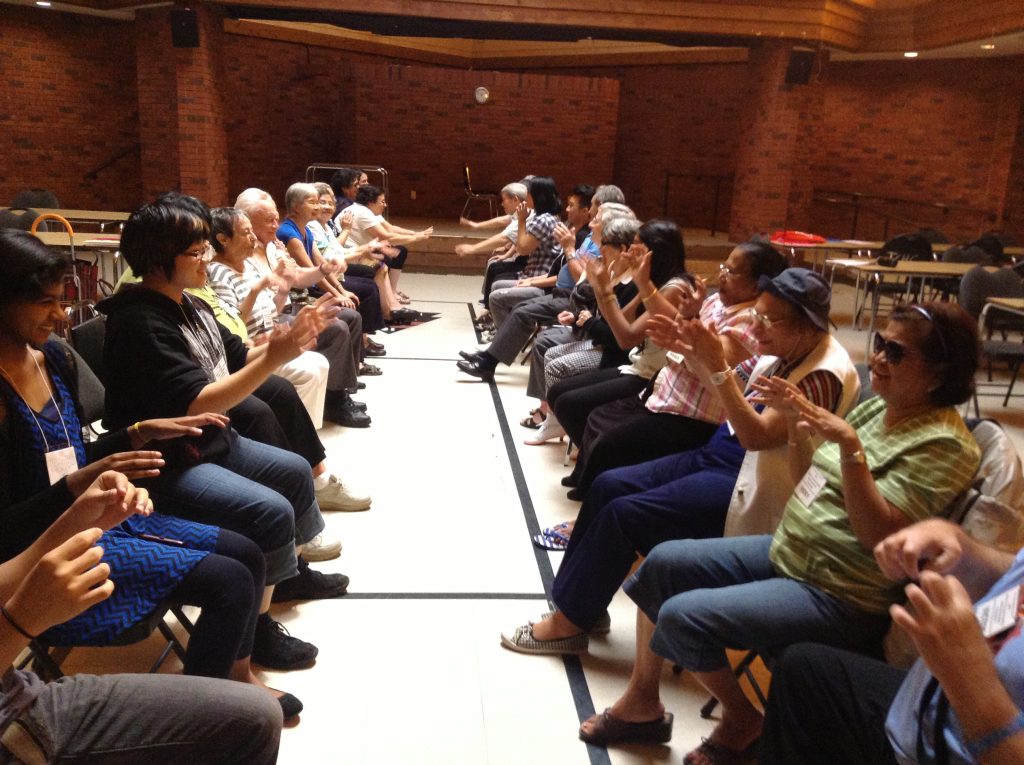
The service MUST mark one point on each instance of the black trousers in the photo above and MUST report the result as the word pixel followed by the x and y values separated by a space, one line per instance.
pixel 275 415
pixel 227 585
pixel 574 398
pixel 369 301
pixel 828 705
pixel 624 432
pixel 500 269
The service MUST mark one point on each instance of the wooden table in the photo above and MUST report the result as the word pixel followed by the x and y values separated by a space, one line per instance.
pixel 925 269
pixel 863 249
pixel 103 248
pixel 102 218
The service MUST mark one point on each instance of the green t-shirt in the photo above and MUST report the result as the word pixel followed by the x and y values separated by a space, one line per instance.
pixel 919 466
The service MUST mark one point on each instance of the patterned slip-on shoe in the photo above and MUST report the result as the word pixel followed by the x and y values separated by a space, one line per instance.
pixel 523 641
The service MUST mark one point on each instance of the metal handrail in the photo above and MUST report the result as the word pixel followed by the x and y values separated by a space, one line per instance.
pixel 718 179
pixel 312 170
pixel 853 199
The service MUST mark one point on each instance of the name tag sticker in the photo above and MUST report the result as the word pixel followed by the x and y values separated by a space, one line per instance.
pixel 60 463
pixel 998 614
pixel 810 486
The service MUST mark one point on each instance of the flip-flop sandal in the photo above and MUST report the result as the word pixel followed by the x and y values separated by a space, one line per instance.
pixel 609 729
pixel 554 538
pixel 711 753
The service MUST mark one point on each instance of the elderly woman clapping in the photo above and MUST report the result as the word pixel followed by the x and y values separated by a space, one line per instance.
pixel 898 458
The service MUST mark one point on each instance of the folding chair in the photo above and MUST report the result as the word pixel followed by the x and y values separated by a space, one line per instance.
pixel 47 657
pixel 492 198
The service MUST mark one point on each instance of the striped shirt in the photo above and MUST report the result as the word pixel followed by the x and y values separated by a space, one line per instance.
pixel 232 288
pixel 919 466
pixel 677 390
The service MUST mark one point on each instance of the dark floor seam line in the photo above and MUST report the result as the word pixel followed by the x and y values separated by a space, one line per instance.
pixel 378 359
pixel 578 687
pixel 446 596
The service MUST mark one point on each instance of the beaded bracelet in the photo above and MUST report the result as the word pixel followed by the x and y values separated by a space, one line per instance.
pixel 17 627
pixel 996 737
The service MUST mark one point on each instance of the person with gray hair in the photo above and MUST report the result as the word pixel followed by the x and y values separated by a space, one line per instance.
pixel 518 311
pixel 340 342
pixel 502 246
pixel 575 349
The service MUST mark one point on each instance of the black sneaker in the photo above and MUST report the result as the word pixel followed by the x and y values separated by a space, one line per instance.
pixel 310 585
pixel 274 648
pixel 347 415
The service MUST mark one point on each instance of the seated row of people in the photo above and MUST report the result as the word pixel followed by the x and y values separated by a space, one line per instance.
pixel 235 514
pixel 757 494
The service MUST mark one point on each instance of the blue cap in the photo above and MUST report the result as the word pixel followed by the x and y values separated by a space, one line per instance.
pixel 805 289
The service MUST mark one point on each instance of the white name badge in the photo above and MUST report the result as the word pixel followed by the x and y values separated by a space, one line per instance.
pixel 810 486
pixel 60 463
pixel 998 614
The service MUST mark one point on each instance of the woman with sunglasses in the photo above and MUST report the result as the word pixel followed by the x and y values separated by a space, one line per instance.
pixel 898 458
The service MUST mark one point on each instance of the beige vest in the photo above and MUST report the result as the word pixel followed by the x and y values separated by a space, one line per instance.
pixel 764 484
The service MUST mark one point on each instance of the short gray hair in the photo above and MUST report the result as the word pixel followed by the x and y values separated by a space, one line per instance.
pixel 251 198
pixel 297 192
pixel 323 188
pixel 609 193
pixel 620 230
pixel 612 210
pixel 517 190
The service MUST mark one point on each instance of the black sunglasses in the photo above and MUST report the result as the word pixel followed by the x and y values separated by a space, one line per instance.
pixel 894 352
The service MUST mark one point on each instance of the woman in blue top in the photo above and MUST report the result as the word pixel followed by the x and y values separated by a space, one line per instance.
pixel 46 466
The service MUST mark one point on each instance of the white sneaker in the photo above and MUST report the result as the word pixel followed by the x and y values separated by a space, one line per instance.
pixel 549 430
pixel 336 496
pixel 320 549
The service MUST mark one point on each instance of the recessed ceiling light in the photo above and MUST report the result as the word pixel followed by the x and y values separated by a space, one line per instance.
pixel 43 3
pixel 910 54
pixel 988 46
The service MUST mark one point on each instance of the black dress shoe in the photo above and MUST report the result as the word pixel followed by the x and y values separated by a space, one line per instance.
pixel 474 356
pixel 476 369
pixel 375 352
pixel 568 480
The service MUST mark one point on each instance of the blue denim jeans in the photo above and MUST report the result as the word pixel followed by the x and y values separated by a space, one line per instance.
pixel 149 718
pixel 708 595
pixel 259 491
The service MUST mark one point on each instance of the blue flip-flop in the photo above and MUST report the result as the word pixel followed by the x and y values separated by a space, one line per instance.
pixel 553 538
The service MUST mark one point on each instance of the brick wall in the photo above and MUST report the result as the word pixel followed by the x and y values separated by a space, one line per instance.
pixel 286 107
pixel 157 89
pixel 682 120
pixel 68 104
pixel 423 123
pixel 241 111
pixel 930 131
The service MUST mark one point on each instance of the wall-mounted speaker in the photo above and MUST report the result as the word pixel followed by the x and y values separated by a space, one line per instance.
pixel 801 64
pixel 184 28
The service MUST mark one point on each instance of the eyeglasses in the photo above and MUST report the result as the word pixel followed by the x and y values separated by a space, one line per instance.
pixel 200 253
pixel 765 322
pixel 894 352
pixel 724 270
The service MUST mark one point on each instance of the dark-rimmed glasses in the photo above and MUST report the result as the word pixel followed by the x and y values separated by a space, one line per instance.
pixel 204 252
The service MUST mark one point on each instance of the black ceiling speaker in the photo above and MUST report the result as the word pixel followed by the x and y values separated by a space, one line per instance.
pixel 801 64
pixel 184 28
